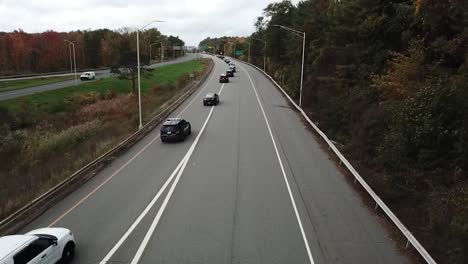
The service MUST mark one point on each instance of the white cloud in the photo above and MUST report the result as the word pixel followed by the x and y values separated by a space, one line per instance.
pixel 191 20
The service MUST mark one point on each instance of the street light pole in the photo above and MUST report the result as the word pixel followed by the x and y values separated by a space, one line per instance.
pixel 151 45
pixel 264 52
pixel 71 62
pixel 162 53
pixel 302 70
pixel 74 57
pixel 249 51
pixel 303 35
pixel 138 70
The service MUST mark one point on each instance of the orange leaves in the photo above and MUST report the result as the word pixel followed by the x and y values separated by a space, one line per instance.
pixel 403 76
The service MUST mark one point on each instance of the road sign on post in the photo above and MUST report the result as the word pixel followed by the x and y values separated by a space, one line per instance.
pixel 239 52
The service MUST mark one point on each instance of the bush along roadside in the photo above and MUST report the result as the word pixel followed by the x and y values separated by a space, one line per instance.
pixel 39 147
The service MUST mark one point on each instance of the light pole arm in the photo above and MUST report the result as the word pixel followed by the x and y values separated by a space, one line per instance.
pixel 154 21
pixel 303 35
pixel 299 33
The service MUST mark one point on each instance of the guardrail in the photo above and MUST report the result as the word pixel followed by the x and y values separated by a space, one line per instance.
pixel 378 202
pixel 27 213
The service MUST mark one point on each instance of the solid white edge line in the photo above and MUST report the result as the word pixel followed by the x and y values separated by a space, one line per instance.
pixel 156 220
pixel 304 236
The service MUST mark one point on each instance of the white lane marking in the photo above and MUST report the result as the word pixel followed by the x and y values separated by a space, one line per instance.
pixel 126 163
pixel 182 164
pixel 299 221
pixel 142 215
pixel 155 222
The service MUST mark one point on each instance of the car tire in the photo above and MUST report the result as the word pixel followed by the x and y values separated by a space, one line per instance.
pixel 94 77
pixel 189 130
pixel 68 253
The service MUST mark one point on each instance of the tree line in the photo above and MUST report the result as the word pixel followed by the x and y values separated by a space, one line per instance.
pixel 23 53
pixel 387 80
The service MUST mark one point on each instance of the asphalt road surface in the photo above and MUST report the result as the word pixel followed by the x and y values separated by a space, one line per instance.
pixel 101 74
pixel 250 185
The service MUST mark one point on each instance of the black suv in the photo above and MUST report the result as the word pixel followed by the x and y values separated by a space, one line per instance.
pixel 211 99
pixel 175 129
pixel 223 78
pixel 230 73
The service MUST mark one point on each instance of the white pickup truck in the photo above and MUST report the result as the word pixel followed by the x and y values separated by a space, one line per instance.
pixel 87 76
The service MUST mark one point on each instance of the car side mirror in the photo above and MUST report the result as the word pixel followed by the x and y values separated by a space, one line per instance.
pixel 54 241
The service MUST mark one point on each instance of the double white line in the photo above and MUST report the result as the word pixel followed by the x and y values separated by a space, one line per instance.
pixel 176 173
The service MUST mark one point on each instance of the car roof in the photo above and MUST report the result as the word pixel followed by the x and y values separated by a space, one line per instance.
pixel 210 95
pixel 9 244
pixel 172 121
pixel 223 74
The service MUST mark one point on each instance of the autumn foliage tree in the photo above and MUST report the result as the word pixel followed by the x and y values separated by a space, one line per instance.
pixel 23 53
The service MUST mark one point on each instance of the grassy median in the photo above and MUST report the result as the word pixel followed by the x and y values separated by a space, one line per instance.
pixel 47 136
pixel 6 86
pixel 58 100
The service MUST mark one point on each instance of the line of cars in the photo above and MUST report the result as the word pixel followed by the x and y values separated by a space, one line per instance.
pixel 177 129
pixel 224 78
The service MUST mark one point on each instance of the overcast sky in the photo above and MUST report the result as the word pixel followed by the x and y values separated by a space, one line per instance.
pixel 191 20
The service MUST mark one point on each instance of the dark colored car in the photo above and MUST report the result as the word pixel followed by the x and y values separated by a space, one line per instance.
pixel 211 99
pixel 175 129
pixel 223 79
pixel 230 73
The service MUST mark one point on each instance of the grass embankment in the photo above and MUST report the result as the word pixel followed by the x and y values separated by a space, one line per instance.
pixel 6 86
pixel 47 136
pixel 57 100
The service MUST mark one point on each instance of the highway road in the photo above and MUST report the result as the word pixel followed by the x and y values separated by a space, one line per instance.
pixel 250 185
pixel 101 74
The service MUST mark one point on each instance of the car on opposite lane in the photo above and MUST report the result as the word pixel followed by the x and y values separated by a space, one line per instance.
pixel 175 129
pixel 87 76
pixel 223 78
pixel 211 99
pixel 44 246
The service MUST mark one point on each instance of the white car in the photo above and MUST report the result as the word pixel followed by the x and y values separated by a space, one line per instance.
pixel 87 76
pixel 45 245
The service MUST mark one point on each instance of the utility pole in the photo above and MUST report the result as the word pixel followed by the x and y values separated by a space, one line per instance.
pixel 303 35
pixel 70 43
